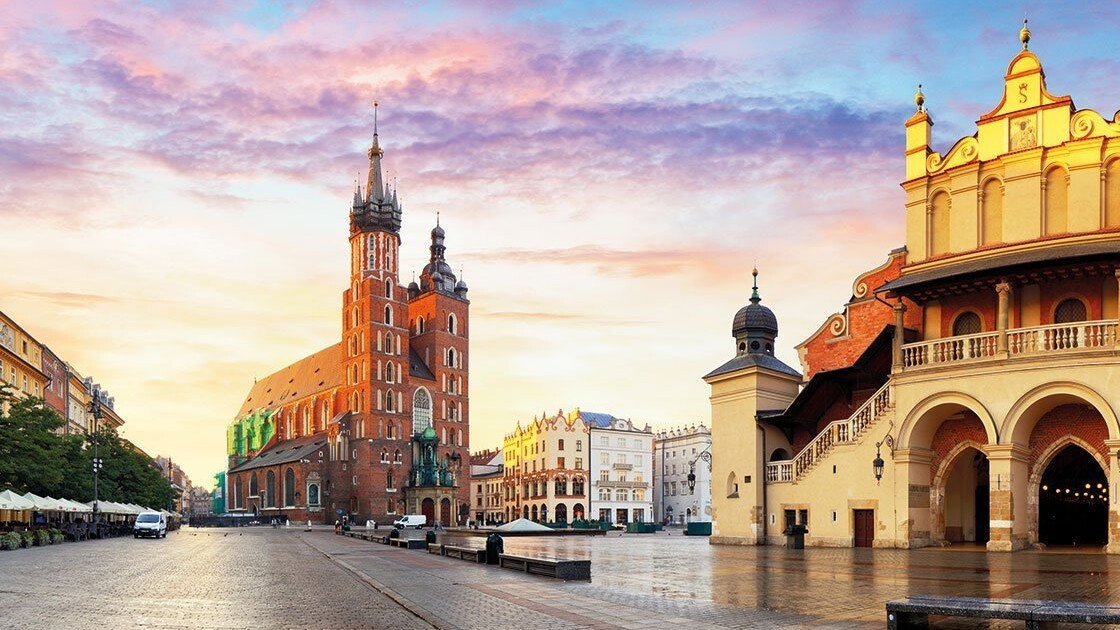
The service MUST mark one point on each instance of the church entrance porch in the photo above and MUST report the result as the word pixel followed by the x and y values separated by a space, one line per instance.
pixel 1073 500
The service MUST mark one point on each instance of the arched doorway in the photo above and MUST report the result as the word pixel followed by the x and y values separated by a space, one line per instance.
pixel 965 500
pixel 525 512
pixel 428 509
pixel 1073 500
pixel 561 515
pixel 577 511
pixel 534 512
pixel 445 511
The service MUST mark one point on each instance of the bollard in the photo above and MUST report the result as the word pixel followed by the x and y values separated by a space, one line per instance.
pixel 494 546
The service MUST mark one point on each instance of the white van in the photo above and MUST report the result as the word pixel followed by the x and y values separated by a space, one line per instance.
pixel 152 524
pixel 411 520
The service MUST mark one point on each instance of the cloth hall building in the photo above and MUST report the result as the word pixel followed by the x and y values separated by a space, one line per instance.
pixel 375 425
pixel 966 394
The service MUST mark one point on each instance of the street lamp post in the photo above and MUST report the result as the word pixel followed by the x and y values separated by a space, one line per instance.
pixel 705 455
pixel 95 410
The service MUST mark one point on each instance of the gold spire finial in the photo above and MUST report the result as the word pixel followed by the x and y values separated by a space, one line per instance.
pixel 375 104
pixel 919 99
pixel 1025 35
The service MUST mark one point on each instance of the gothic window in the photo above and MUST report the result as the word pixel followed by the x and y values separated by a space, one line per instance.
pixel 384 456
pixel 451 357
pixel 451 323
pixel 371 247
pixel 388 315
pixel 388 343
pixel 390 401
pixel 389 480
pixel 389 372
pixel 420 325
pixel 1070 311
pixel 421 410
pixel 270 489
pixel 991 213
pixel 939 224
pixel 397 456
pixel 254 490
pixel 388 288
pixel 1055 202
pixel 1112 194
pixel 967 323
pixel 289 488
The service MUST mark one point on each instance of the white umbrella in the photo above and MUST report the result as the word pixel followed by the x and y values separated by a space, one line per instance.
pixel 11 501
pixel 74 506
pixel 524 525
pixel 43 504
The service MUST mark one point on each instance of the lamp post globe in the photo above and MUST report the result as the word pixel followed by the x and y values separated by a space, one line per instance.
pixel 878 464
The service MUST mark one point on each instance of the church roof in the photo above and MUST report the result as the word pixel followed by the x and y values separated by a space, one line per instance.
pixel 319 372
pixel 761 360
pixel 417 367
pixel 286 452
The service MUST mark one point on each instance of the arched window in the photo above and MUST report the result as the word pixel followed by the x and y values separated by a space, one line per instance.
pixel 388 315
pixel 384 455
pixel 420 325
pixel 732 486
pixel 991 213
pixel 397 456
pixel 1055 202
pixel 1112 194
pixel 253 489
pixel 312 495
pixel 421 410
pixel 1069 311
pixel 451 323
pixel 577 486
pixel 451 357
pixel 388 288
pixel 967 323
pixel 388 343
pixel 560 486
pixel 389 372
pixel 389 480
pixel 289 488
pixel 939 224
pixel 604 494
pixel 270 489
pixel 237 493
pixel 390 402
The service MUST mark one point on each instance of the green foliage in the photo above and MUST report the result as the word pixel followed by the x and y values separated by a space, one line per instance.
pixel 42 538
pixel 34 458
pixel 11 540
pixel 26 538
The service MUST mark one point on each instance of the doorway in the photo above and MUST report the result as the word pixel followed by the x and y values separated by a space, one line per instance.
pixel 864 521
pixel 966 499
pixel 428 509
pixel 1073 500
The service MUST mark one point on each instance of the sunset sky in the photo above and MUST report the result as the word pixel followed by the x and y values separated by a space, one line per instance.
pixel 175 180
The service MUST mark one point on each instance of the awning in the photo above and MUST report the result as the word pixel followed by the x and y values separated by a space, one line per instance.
pixel 43 504
pixel 11 501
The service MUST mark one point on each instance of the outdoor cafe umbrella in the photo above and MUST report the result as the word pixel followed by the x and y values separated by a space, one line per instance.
pixel 42 504
pixel 74 506
pixel 11 501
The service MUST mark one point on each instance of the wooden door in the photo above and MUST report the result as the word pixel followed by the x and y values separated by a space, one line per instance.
pixel 865 527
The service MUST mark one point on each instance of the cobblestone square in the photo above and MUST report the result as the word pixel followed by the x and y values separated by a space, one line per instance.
pixel 259 577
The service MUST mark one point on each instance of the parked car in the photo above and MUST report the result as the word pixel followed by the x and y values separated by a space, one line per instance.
pixel 152 524
pixel 411 520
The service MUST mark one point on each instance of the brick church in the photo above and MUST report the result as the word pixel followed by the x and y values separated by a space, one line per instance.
pixel 376 425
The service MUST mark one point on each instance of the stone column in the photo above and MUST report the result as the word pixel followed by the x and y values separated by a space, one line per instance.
pixel 912 494
pixel 1113 496
pixel 900 334
pixel 1007 483
pixel 1002 316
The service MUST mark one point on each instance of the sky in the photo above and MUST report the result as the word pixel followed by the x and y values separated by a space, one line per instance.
pixel 175 180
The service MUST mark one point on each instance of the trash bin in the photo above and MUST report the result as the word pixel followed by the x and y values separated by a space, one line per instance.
pixel 795 536
pixel 430 537
pixel 494 546
pixel 396 533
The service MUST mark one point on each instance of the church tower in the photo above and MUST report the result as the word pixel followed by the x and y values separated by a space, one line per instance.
pixel 376 344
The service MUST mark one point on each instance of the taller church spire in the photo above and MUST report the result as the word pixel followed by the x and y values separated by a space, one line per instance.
pixel 376 211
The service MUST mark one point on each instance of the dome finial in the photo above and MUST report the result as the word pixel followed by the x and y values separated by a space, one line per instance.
pixel 920 99
pixel 754 289
pixel 1025 34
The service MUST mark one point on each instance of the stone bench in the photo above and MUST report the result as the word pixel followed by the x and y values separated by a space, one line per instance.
pixel 914 611
pixel 550 567
pixel 470 554
pixel 408 543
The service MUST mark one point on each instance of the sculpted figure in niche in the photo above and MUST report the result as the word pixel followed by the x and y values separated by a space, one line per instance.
pixel 1022 134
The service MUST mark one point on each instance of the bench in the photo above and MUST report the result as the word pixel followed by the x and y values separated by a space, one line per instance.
pixel 550 567
pixel 914 611
pixel 469 554
pixel 408 543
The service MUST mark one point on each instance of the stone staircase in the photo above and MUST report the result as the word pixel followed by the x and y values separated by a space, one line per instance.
pixel 846 431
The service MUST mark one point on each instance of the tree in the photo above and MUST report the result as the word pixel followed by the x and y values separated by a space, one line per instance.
pixel 31 453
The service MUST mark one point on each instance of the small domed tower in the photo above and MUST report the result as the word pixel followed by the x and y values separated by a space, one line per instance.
pixel 755 327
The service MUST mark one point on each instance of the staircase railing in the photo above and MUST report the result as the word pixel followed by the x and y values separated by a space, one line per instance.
pixel 839 432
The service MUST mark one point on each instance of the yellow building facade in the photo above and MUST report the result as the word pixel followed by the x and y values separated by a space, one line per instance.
pixel 966 394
